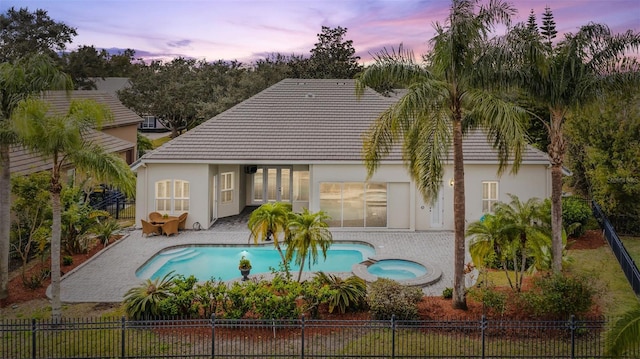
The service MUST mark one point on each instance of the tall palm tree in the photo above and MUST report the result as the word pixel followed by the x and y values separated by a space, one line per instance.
pixel 446 98
pixel 563 77
pixel 308 233
pixel 268 222
pixel 58 138
pixel 26 77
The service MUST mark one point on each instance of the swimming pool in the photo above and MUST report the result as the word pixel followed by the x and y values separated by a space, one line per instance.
pixel 397 269
pixel 221 261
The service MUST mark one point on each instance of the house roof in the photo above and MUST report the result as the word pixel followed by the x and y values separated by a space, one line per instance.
pixel 122 116
pixel 299 120
pixel 111 84
pixel 23 162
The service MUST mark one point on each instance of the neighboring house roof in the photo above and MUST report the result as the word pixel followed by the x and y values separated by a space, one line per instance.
pixel 23 162
pixel 122 116
pixel 299 120
pixel 111 84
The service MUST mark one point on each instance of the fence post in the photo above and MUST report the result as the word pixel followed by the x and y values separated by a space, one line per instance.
pixel 123 326
pixel 393 335
pixel 33 338
pixel 572 327
pixel 213 335
pixel 483 326
pixel 302 339
pixel 117 207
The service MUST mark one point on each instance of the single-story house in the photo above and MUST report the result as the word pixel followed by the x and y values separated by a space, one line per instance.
pixel 300 141
pixel 118 136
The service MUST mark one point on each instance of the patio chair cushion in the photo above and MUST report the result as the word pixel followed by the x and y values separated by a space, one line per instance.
pixel 148 228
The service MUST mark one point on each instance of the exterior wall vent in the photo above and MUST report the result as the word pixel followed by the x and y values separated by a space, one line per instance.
pixel 310 95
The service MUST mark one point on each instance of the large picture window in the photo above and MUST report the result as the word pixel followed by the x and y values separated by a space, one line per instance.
pixel 354 204
pixel 226 187
pixel 172 196
pixel 489 196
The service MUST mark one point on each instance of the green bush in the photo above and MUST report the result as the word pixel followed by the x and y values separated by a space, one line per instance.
pixel 575 215
pixel 144 301
pixel 447 293
pixel 345 294
pixel 491 299
pixel 67 260
pixel 558 296
pixel 181 301
pixel 387 297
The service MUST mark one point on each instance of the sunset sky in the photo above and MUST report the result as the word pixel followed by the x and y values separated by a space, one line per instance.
pixel 246 30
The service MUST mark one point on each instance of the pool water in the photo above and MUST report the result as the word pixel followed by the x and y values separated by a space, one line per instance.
pixel 397 269
pixel 221 262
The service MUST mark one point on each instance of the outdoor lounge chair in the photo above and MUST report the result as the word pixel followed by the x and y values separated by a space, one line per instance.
pixel 155 217
pixel 148 228
pixel 170 227
pixel 182 220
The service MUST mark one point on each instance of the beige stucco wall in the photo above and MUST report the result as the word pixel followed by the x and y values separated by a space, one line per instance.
pixel 196 174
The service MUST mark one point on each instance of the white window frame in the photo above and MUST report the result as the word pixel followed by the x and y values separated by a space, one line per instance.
pixel 148 121
pixel 489 201
pixel 181 203
pixel 173 203
pixel 226 187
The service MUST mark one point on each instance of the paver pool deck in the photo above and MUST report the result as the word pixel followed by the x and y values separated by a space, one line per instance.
pixel 111 273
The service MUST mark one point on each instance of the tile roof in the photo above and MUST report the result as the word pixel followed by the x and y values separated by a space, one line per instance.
pixel 298 120
pixel 24 162
pixel 59 103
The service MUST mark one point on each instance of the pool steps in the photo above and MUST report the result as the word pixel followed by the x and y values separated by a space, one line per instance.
pixel 174 255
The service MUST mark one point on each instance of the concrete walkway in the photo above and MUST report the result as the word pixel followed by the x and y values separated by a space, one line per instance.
pixel 111 273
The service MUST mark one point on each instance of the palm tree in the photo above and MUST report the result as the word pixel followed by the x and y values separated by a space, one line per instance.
pixel 523 222
pixel 576 71
pixel 59 139
pixel 445 100
pixel 490 241
pixel 26 77
pixel 308 233
pixel 267 222
pixel 625 334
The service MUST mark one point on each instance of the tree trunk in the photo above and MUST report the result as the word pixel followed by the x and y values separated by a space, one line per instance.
pixel 556 154
pixel 459 291
pixel 5 219
pixel 301 269
pixel 56 232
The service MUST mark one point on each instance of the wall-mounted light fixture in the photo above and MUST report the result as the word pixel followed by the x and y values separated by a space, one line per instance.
pixel 451 183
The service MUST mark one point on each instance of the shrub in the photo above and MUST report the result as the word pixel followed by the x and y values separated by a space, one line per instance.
pixel 105 229
pixel 144 301
pixel 387 297
pixel 558 296
pixel 67 260
pixel 447 293
pixel 36 279
pixel 575 215
pixel 491 299
pixel 181 302
pixel 346 294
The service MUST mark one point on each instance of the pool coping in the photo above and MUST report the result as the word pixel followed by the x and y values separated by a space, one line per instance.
pixel 433 273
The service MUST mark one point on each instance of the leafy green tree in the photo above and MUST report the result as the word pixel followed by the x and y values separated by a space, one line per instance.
pixel 490 242
pixel 604 146
pixel 268 222
pixel 58 138
pixel 444 101
pixel 333 57
pixel 25 33
pixel 308 233
pixel 564 77
pixel 31 222
pixel 168 91
pixel 144 144
pixel 624 334
pixel 19 80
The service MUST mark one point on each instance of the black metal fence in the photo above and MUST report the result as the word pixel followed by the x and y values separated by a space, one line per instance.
pixel 627 263
pixel 224 338
pixel 118 205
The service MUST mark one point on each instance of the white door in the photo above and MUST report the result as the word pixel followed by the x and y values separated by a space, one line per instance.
pixel 437 210
pixel 214 199
pixel 273 184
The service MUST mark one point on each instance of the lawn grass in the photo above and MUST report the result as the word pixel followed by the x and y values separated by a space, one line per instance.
pixel 615 294
pixel 160 141
pixel 632 244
